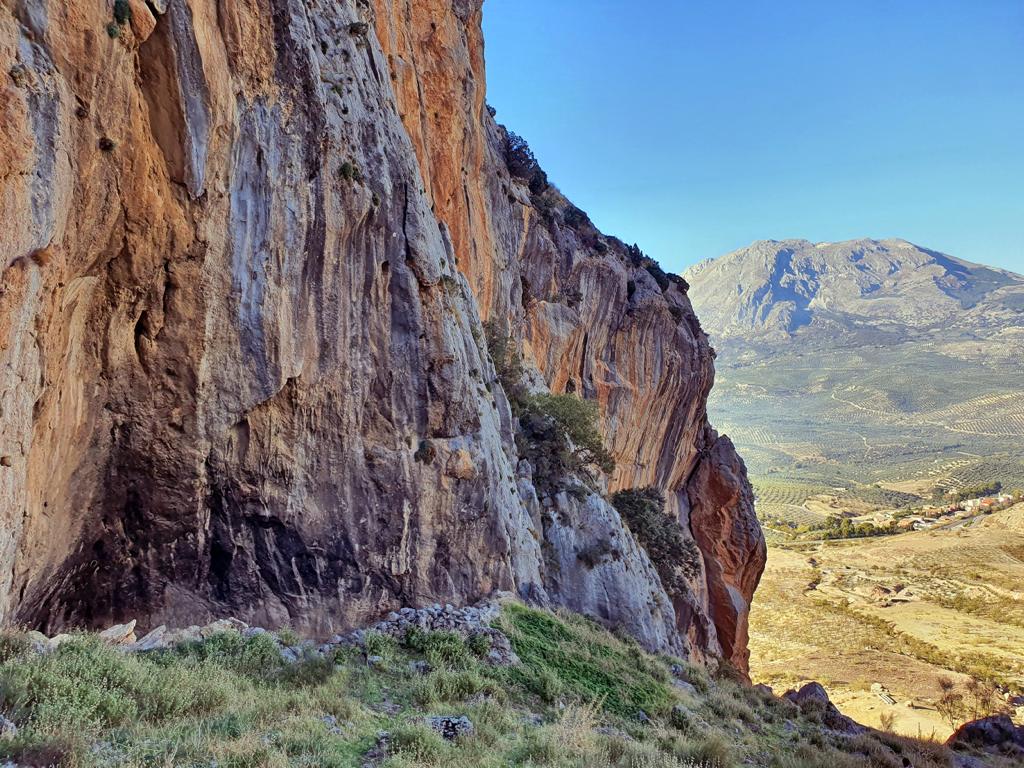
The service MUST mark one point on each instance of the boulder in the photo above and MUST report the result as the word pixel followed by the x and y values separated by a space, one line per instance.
pixel 812 698
pixel 451 727
pixel 153 640
pixel 223 625
pixel 997 733
pixel 190 634
pixel 143 22
pixel 119 634
pixel 57 641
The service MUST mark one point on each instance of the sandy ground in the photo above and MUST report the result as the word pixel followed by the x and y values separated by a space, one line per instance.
pixel 954 600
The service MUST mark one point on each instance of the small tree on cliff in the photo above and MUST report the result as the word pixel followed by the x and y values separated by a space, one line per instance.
pixel 523 164
pixel 578 419
pixel 508 363
pixel 674 554
pixel 558 434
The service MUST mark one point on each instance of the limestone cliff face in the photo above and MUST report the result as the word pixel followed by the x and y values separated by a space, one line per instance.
pixel 248 248
pixel 593 320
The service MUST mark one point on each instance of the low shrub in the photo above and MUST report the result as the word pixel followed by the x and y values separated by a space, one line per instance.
pixel 560 658
pixel 122 12
pixel 674 554
pixel 418 741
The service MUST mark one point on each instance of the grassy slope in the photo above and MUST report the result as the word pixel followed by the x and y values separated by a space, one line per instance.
pixel 574 701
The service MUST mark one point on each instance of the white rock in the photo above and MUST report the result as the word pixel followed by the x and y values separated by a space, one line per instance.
pixel 7 728
pixel 153 640
pixel 119 634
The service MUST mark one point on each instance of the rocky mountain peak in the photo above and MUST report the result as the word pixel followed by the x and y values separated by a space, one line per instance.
pixel 776 288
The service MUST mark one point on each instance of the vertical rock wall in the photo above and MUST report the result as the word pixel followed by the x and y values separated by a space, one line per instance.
pixel 591 319
pixel 241 361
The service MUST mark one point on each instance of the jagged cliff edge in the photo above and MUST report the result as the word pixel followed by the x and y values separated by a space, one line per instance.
pixel 248 249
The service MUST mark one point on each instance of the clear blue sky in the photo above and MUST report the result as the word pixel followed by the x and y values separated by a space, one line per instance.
pixel 694 128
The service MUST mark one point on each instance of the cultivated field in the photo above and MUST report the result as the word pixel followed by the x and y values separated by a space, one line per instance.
pixel 860 430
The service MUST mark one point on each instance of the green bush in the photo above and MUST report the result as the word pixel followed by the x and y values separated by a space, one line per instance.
pixel 425 453
pixel 674 554
pixel 349 171
pixel 445 649
pixel 479 644
pixel 257 657
pixel 379 644
pixel 578 419
pixel 418 741
pixel 122 12
pixel 558 434
pixel 448 685
pixel 13 644
pixel 522 163
pixel 575 218
pixel 310 670
pixel 508 363
pixel 85 686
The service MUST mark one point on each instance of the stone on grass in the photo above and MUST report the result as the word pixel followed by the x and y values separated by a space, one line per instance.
pixel 7 728
pixel 813 697
pixel 154 640
pixel 119 634
pixel 451 727
pixel 997 733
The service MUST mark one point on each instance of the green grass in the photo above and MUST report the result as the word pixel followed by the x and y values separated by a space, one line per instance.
pixel 575 657
pixel 573 702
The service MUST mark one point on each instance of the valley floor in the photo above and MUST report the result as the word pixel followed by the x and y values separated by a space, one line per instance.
pixel 882 621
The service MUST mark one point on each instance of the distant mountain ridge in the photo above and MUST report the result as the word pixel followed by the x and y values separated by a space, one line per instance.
pixel 864 371
pixel 858 289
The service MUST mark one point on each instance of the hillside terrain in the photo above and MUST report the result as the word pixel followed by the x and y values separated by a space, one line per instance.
pixel 899 613
pixel 880 383
pixel 514 686
pixel 864 375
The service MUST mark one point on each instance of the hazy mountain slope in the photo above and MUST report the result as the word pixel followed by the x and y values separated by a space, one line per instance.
pixel 841 365
pixel 864 289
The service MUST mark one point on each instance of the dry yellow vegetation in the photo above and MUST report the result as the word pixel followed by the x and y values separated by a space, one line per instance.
pixel 895 615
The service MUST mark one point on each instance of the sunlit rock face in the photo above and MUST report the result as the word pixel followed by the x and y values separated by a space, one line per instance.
pixel 591 320
pixel 249 246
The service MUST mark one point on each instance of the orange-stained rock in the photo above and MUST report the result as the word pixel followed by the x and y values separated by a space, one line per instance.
pixel 241 367
pixel 460 465
pixel 730 539
pixel 590 317
pixel 143 22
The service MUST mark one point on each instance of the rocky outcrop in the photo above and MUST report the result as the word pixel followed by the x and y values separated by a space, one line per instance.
pixel 731 540
pixel 996 734
pixel 221 376
pixel 813 700
pixel 242 364
pixel 590 312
